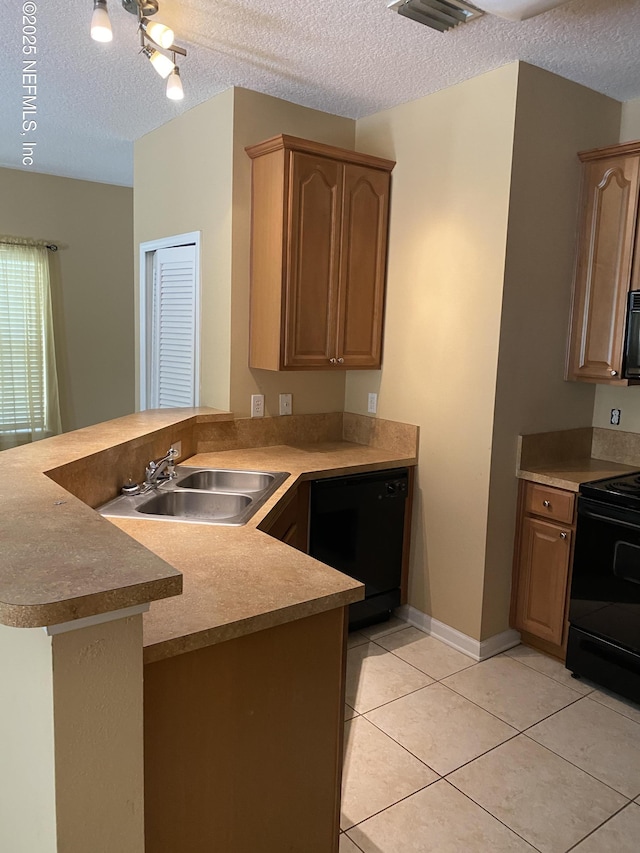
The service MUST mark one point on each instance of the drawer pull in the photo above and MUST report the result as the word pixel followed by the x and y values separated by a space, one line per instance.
pixel 546 504
pixel 563 535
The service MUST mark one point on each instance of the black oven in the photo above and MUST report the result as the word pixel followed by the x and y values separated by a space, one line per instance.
pixel 632 337
pixel 604 614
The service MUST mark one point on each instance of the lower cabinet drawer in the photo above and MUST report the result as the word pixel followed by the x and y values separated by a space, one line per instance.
pixel 548 502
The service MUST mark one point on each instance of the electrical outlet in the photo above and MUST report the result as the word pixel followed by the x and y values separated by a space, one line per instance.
pixel 615 416
pixel 257 405
pixel 372 405
pixel 177 446
pixel 285 404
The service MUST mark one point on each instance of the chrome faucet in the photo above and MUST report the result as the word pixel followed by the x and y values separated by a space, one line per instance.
pixel 161 469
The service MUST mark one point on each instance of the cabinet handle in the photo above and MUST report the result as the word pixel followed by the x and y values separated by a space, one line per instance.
pixel 333 360
pixel 546 504
pixel 341 361
pixel 614 372
pixel 563 535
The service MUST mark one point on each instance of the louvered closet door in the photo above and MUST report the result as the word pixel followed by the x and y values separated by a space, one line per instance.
pixel 173 333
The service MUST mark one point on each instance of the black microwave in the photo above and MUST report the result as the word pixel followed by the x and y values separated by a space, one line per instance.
pixel 632 337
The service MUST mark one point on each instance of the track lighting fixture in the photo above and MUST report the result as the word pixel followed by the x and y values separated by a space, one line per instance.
pixel 174 85
pixel 100 23
pixel 158 33
pixel 163 65
pixel 153 35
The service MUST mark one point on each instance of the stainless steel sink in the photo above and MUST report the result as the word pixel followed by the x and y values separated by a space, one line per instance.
pixel 188 504
pixel 227 481
pixel 201 496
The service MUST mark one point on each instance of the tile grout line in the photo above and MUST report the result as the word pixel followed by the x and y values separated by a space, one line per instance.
pixel 486 810
pixel 391 805
pixel 520 731
pixel 589 834
pixel 582 770
pixel 406 749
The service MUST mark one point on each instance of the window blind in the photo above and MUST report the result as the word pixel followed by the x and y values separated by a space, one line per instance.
pixel 173 328
pixel 28 386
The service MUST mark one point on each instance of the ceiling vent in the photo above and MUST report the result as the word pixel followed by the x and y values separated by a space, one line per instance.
pixel 441 15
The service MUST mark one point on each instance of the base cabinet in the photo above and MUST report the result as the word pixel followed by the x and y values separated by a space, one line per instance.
pixel 542 563
pixel 243 742
pixel 289 521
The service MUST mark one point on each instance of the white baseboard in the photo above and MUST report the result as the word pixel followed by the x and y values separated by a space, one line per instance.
pixel 456 639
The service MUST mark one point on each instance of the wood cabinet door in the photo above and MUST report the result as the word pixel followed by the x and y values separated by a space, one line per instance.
pixel 543 578
pixel 363 257
pixel 312 253
pixel 603 271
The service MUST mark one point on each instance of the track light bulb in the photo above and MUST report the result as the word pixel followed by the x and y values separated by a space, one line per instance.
pixel 100 23
pixel 163 65
pixel 158 33
pixel 174 85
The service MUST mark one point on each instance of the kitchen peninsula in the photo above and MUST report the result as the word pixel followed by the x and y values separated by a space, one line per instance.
pixel 243 671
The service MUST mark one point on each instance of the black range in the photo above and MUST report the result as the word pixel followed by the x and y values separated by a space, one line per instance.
pixel 604 614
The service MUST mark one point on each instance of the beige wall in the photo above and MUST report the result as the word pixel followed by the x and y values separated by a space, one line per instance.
pixel 482 228
pixel 97 692
pixel 554 119
pixel 259 117
pixel 27 767
pixel 206 186
pixel 448 226
pixel 92 277
pixel 183 183
pixel 71 739
pixel 608 397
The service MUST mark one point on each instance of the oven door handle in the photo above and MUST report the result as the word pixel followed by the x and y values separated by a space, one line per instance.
pixel 611 516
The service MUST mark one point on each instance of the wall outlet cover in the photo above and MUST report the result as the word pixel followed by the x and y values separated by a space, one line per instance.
pixel 257 405
pixel 285 404
pixel 372 403
pixel 615 416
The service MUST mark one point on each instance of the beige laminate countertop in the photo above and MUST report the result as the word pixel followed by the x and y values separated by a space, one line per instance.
pixel 61 561
pixel 237 580
pixel 569 475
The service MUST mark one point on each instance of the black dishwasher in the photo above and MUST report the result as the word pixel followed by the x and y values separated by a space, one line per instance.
pixel 356 525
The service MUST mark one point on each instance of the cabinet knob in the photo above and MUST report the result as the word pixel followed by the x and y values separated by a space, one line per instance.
pixel 333 360
pixel 563 535
pixel 341 361
pixel 614 372
pixel 546 504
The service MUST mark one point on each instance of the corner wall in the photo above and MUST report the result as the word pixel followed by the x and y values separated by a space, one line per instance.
pixel 92 277
pixel 258 117
pixel 71 739
pixel 447 243
pixel 555 119
pixel 193 174
pixel 609 397
pixel 182 183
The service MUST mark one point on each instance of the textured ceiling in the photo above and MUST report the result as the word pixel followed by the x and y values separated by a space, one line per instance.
pixel 349 58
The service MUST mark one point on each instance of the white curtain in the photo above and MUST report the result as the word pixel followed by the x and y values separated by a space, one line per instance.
pixel 29 406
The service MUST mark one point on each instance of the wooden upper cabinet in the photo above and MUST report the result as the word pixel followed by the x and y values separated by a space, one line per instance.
pixel 318 256
pixel 310 292
pixel 605 265
pixel 365 209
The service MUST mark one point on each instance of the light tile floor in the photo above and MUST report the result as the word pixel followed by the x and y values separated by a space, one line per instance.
pixel 511 755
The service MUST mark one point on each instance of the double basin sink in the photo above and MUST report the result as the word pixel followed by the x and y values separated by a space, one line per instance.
pixel 200 496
